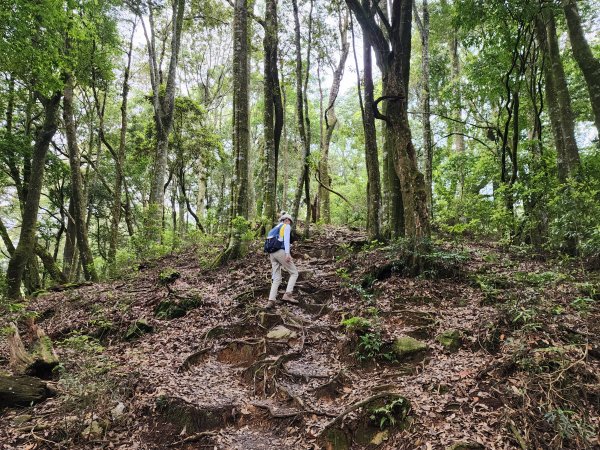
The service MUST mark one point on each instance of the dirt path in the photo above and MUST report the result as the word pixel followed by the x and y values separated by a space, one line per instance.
pixel 231 375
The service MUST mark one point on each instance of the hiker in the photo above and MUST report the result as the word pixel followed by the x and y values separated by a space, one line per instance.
pixel 282 258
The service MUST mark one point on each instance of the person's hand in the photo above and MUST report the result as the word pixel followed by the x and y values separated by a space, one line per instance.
pixel 288 258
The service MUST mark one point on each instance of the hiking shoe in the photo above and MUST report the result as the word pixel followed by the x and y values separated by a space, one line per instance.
pixel 288 297
pixel 270 304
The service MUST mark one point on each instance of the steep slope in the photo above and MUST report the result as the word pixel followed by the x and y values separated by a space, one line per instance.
pixel 484 348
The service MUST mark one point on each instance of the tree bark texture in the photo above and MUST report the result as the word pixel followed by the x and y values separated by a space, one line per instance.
pixel 559 101
pixel 273 109
pixel 590 66
pixel 26 245
pixel 423 26
pixel 241 126
pixel 163 101
pixel 77 192
pixel 331 121
pixel 393 58
pixel 119 166
pixel 39 361
pixel 22 390
pixel 300 117
pixel 371 152
pixel 70 249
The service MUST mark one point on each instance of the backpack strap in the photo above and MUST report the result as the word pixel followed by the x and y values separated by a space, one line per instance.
pixel 282 231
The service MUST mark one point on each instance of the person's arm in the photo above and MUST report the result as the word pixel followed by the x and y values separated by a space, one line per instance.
pixel 286 239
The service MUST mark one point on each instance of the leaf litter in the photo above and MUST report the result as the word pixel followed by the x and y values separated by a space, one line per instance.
pixel 526 370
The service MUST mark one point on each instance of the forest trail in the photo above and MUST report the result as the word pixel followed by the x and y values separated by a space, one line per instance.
pixel 449 357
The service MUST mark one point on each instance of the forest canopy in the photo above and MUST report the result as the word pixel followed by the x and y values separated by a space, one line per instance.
pixel 133 128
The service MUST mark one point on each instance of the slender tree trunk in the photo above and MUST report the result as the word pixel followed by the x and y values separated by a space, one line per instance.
pixel 564 98
pixel 119 166
pixel 589 65
pixel 331 119
pixel 201 170
pixel 163 101
pixel 70 250
pixel 77 194
pixel 26 245
pixel 301 119
pixel 371 153
pixel 559 101
pixel 423 27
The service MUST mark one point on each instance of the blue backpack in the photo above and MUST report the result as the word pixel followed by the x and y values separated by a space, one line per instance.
pixel 272 242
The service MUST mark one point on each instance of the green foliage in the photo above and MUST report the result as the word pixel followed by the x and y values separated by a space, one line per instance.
pixel 569 424
pixel 575 209
pixel 356 324
pixel 242 228
pixel 82 343
pixel 371 347
pixel 540 279
pixel 389 415
pixel 582 304
pixel 168 276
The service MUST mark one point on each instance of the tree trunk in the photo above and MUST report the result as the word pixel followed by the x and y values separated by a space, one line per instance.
pixel 423 27
pixel 163 102
pixel 22 391
pixel 395 67
pixel 300 112
pixel 241 135
pixel 77 194
pixel 119 165
pixel 50 264
pixel 25 247
pixel 590 66
pixel 331 120
pixel 371 156
pixel 70 249
pixel 201 170
pixel 273 110
pixel 40 361
pixel 567 122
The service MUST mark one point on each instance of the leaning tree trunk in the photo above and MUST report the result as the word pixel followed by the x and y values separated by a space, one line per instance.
pixel 330 122
pixel 567 123
pixel 589 65
pixel 77 194
pixel 27 239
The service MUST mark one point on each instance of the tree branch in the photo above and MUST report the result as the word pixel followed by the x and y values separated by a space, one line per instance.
pixel 317 177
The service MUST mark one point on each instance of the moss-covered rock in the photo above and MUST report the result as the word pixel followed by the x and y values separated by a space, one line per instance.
pixel 138 328
pixel 406 346
pixel 172 309
pixel 450 340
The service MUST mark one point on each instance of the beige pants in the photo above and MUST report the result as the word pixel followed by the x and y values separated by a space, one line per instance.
pixel 277 262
